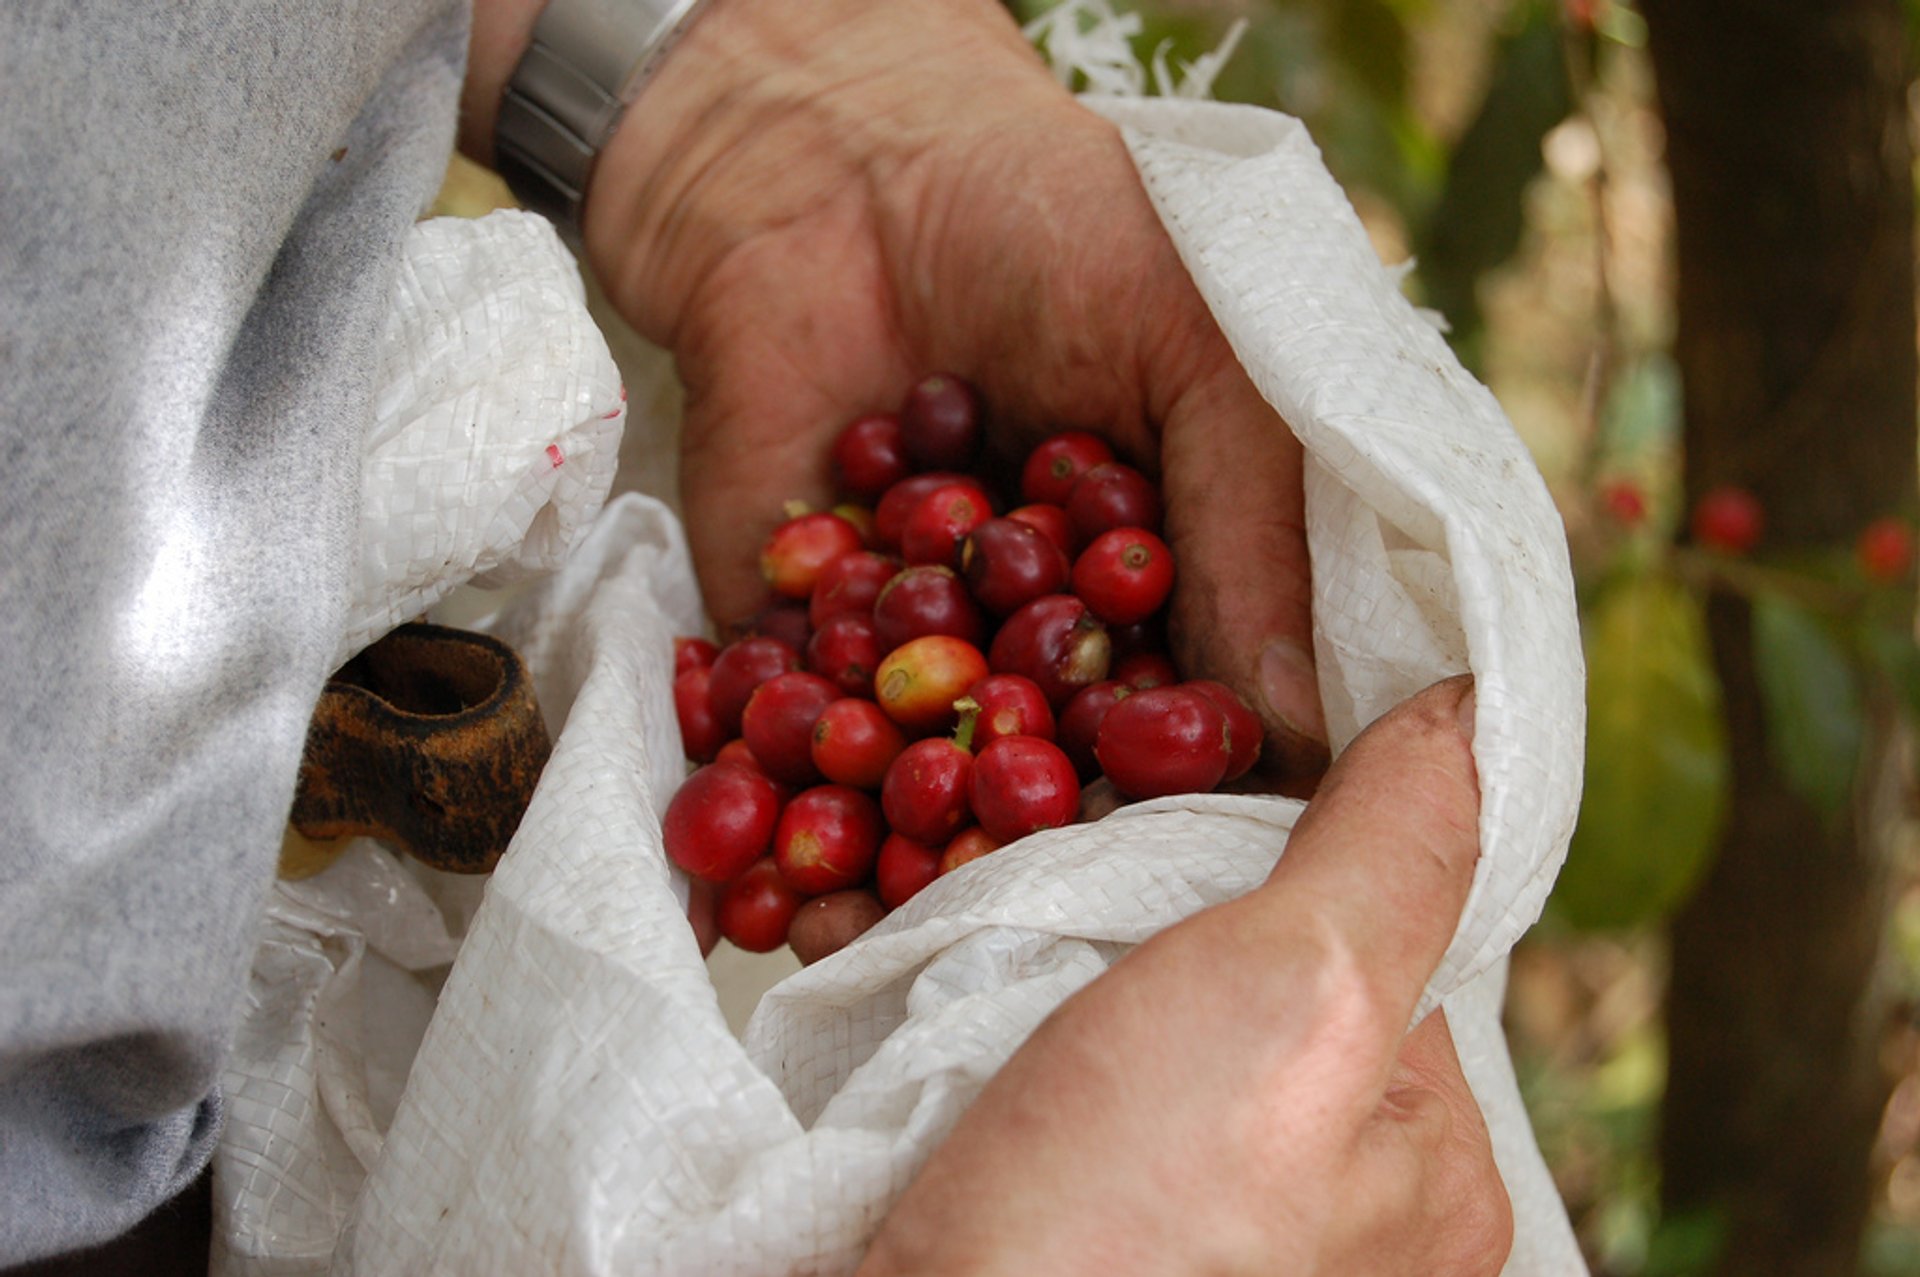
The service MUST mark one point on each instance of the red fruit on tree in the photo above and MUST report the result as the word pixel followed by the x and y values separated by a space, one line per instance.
pixel 1022 784
pixel 778 724
pixel 847 650
pixel 854 742
pixel 827 839
pixel 742 666
pixel 904 867
pixel 700 736
pixel 869 456
pixel 720 821
pixel 1624 502
pixel 1008 564
pixel 1165 740
pixel 1055 641
pixel 1052 468
pixel 1124 575
pixel 1729 519
pixel 918 682
pixel 756 907
pixel 1112 495
pixel 1885 550
pixel 793 556
pixel 941 423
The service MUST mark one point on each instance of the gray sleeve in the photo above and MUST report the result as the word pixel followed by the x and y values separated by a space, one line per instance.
pixel 201 204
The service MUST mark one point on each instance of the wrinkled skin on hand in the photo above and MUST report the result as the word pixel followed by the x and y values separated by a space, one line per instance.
pixel 909 191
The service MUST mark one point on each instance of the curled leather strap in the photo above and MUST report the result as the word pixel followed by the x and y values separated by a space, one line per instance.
pixel 430 740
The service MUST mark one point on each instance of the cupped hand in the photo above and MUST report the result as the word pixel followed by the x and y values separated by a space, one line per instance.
pixel 814 205
pixel 1240 1095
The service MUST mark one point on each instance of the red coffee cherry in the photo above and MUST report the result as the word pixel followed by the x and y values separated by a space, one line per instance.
pixel 869 456
pixel 1729 519
pixel 1052 468
pixel 778 724
pixel 849 584
pixel 1022 784
pixel 1112 495
pixel 966 846
pixel 700 736
pixel 1165 740
pixel 941 423
pixel 1244 730
pixel 854 742
pixel 756 908
pixel 1008 564
pixel 919 681
pixel 797 551
pixel 720 821
pixel 904 867
pixel 1009 705
pixel 923 600
pixel 1124 575
pixel 924 793
pixel 1885 550
pixel 1056 642
pixel 937 527
pixel 846 650
pixel 741 667
pixel 827 839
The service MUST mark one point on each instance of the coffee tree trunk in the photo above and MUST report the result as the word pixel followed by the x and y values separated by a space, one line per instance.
pixel 1793 198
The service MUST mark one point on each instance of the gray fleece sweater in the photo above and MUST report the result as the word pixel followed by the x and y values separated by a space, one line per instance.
pixel 201 206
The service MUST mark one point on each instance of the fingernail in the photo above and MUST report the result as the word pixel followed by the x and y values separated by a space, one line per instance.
pixel 1292 693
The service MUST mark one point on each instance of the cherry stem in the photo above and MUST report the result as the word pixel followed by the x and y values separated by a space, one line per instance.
pixel 969 719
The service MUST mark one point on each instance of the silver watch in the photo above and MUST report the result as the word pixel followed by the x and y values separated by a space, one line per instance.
pixel 588 60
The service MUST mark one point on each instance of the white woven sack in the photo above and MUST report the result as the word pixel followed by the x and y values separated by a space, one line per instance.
pixel 578 1104
pixel 498 416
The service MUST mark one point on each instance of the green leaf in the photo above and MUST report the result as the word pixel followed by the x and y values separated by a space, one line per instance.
pixel 1816 718
pixel 1656 776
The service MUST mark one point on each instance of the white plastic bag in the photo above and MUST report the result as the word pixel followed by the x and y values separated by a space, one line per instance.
pixel 578 1104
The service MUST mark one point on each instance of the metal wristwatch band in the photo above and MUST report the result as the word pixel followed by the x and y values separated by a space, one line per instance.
pixel 587 61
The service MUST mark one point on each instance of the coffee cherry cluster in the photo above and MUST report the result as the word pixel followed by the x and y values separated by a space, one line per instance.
pixel 956 654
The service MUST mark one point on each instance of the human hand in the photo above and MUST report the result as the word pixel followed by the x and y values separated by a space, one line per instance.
pixel 813 205
pixel 1241 1094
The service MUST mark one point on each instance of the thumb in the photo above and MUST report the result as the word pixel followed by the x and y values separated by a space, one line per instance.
pixel 1382 859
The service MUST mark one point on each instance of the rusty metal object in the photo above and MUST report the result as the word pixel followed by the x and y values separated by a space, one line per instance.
pixel 429 740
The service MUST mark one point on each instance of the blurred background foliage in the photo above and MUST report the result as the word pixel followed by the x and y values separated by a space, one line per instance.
pixel 1515 150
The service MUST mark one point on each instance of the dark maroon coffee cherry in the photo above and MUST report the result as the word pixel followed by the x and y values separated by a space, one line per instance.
pixel 941 423
pixel 1008 564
